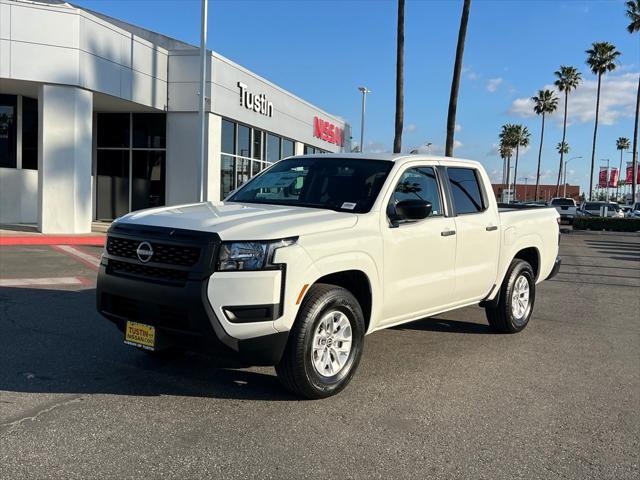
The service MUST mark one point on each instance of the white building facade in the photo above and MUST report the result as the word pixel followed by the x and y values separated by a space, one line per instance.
pixel 99 118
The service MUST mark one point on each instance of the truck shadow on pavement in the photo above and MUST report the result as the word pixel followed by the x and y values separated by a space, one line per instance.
pixel 435 324
pixel 54 341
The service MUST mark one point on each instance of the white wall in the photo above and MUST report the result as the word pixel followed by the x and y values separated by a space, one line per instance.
pixel 18 196
pixel 182 158
pixel 66 45
pixel 64 159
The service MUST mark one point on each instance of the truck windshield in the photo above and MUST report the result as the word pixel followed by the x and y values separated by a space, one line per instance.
pixel 344 184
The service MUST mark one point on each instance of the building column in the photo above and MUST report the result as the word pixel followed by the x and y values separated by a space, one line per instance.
pixel 213 166
pixel 65 116
pixel 183 153
pixel 299 148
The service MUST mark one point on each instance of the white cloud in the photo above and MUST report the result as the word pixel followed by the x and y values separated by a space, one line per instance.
pixel 376 147
pixel 457 144
pixel 493 84
pixel 469 73
pixel 617 99
pixel 458 128
pixel 411 128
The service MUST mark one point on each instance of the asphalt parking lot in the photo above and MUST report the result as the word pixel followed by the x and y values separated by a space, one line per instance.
pixel 440 398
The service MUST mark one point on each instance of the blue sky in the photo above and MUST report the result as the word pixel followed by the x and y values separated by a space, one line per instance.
pixel 322 51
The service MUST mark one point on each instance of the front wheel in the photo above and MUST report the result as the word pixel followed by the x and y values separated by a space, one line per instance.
pixel 517 296
pixel 325 344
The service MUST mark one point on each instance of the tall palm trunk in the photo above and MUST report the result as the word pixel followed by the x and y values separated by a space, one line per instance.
pixel 595 133
pixel 634 163
pixel 455 82
pixel 619 175
pixel 509 174
pixel 564 136
pixel 539 159
pixel 515 173
pixel 397 140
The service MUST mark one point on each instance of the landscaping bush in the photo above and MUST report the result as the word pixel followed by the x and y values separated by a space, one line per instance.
pixel 610 224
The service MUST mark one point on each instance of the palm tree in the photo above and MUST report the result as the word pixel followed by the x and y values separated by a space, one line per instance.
pixel 622 144
pixel 633 12
pixel 519 137
pixel 397 139
pixel 568 78
pixel 505 153
pixel 506 149
pixel 543 103
pixel 455 82
pixel 563 149
pixel 601 58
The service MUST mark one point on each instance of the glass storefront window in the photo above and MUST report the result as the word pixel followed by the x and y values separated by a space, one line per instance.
pixel 149 130
pixel 148 179
pixel 29 133
pixel 227 167
pixel 112 189
pixel 273 148
pixel 228 137
pixel 309 150
pixel 257 144
pixel 113 130
pixel 121 189
pixel 8 118
pixel 287 148
pixel 244 141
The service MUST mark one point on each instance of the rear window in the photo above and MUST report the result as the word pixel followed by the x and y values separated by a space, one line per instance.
pixel 563 202
pixel 465 189
pixel 592 206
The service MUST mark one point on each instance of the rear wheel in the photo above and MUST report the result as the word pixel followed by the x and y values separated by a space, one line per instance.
pixel 517 296
pixel 325 344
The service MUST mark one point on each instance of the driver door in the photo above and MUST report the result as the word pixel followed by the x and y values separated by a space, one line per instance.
pixel 419 256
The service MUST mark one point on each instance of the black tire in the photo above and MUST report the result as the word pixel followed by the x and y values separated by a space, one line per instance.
pixel 296 370
pixel 501 316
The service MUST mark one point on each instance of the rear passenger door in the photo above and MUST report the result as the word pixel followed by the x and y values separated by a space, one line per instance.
pixel 478 233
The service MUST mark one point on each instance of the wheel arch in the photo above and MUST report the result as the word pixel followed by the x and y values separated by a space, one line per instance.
pixel 358 284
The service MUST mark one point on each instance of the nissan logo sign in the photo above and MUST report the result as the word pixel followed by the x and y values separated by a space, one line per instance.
pixel 144 252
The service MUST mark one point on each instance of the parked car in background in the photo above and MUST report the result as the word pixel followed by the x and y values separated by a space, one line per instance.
pixel 595 209
pixel 566 207
pixel 634 211
pixel 626 210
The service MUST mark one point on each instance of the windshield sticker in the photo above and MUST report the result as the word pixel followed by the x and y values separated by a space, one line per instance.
pixel 348 205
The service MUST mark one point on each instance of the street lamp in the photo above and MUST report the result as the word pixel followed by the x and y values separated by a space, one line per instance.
pixel 565 175
pixel 364 92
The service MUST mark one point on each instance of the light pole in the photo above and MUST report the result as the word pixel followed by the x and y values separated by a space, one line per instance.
pixel 364 92
pixel 564 195
pixel 202 99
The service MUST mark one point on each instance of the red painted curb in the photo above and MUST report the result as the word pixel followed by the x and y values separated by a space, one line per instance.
pixel 52 240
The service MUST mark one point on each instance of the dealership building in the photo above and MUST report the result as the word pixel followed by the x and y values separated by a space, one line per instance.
pixel 99 118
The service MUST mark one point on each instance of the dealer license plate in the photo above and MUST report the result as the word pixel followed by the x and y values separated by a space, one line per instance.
pixel 140 335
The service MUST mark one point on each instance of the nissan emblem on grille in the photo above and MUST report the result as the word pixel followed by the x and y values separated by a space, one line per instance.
pixel 144 252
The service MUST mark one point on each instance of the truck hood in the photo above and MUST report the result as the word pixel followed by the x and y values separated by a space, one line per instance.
pixel 244 221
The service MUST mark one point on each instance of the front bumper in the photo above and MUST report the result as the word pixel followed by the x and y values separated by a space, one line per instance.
pixel 556 267
pixel 181 310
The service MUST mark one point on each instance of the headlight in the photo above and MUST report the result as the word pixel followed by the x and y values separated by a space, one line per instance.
pixel 250 255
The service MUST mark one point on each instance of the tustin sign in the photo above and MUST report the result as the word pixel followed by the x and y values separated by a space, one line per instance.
pixel 327 131
pixel 257 103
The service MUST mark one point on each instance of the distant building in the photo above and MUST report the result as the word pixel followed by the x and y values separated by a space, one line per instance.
pixel 545 192
pixel 99 118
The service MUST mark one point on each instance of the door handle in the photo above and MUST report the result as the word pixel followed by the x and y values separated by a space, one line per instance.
pixel 491 228
pixel 448 233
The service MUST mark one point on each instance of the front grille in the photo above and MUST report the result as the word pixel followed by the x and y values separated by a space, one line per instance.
pixel 168 254
pixel 168 275
pixel 154 314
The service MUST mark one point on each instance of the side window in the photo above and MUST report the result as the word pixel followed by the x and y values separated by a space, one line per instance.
pixel 465 189
pixel 419 184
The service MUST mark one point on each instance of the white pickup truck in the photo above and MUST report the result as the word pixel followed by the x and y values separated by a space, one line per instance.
pixel 295 267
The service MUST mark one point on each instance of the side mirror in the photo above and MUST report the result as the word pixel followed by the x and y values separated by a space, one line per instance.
pixel 412 210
